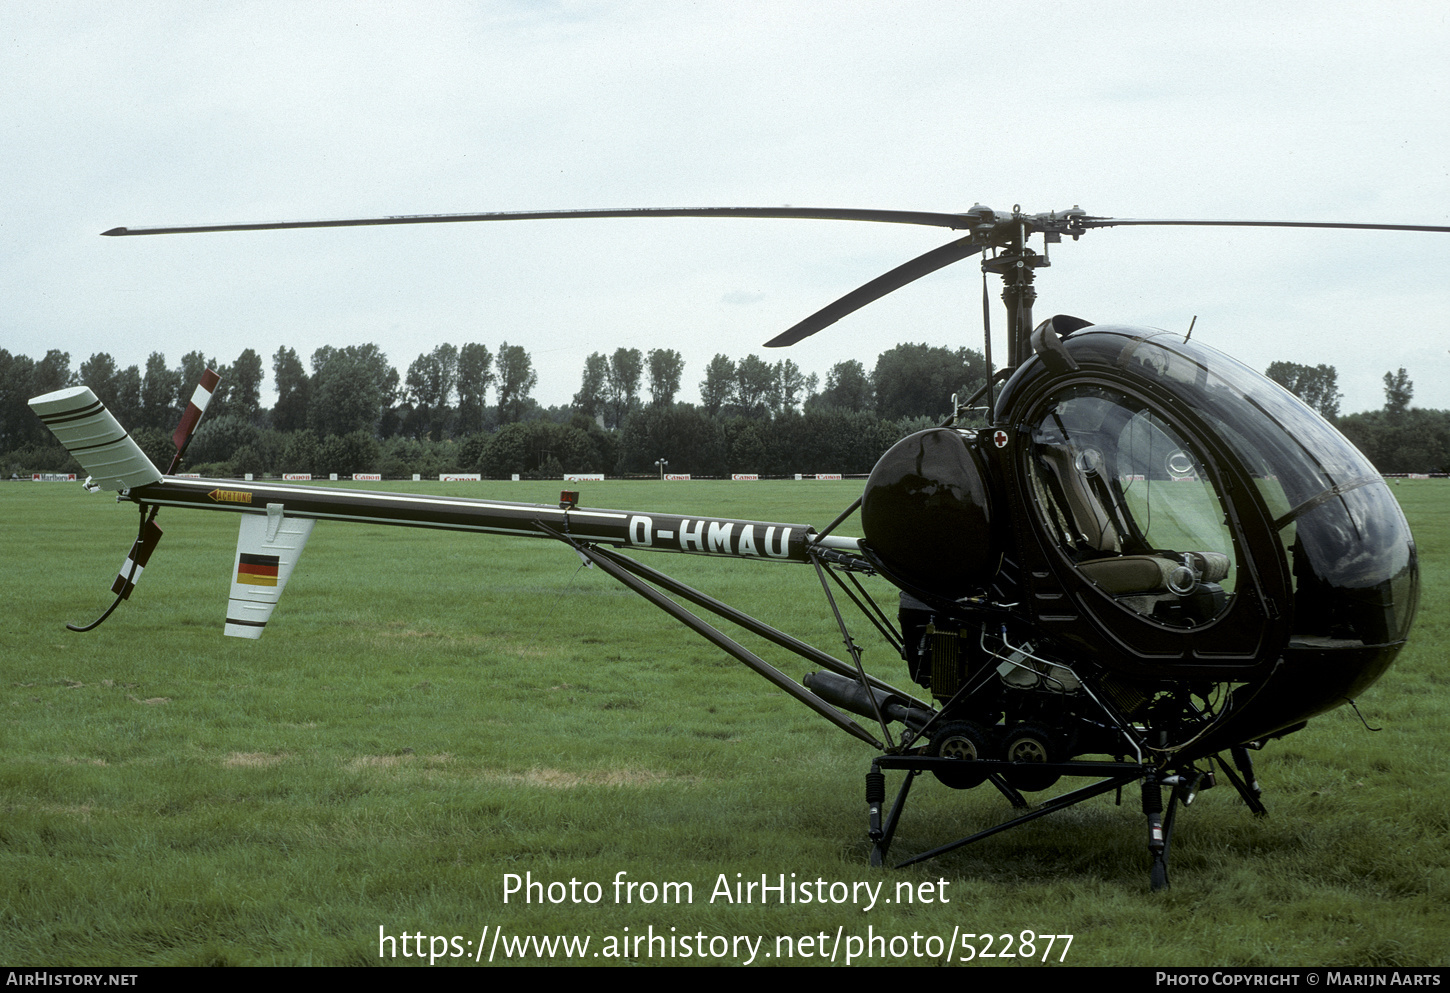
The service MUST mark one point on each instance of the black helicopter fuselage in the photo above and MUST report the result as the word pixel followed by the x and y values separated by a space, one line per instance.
pixel 1158 519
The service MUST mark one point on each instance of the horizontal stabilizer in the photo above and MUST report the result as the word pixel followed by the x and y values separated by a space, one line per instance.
pixel 96 439
pixel 268 548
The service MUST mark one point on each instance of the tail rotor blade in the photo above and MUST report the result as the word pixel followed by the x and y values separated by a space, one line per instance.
pixel 136 560
pixel 130 573
pixel 181 438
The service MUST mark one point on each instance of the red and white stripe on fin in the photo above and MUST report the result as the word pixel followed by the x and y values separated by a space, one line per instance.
pixel 95 438
pixel 192 415
pixel 136 560
pixel 268 548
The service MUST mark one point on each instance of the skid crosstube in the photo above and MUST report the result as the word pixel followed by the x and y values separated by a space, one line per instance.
pixel 1183 786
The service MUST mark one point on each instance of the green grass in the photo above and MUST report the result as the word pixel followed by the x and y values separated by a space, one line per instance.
pixel 429 712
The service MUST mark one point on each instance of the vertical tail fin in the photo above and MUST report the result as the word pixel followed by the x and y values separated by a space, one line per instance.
pixel 267 550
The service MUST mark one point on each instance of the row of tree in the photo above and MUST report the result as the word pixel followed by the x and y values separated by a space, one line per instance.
pixel 150 399
pixel 824 439
pixel 910 380
pixel 445 392
pixel 354 412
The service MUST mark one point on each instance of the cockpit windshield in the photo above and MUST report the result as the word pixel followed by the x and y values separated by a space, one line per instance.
pixel 1347 544
pixel 1130 503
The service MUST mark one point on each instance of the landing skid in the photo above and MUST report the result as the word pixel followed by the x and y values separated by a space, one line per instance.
pixel 1183 787
pixel 887 704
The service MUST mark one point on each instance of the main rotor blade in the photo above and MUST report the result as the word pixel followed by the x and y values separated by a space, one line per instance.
pixel 955 221
pixel 920 266
pixel 1108 222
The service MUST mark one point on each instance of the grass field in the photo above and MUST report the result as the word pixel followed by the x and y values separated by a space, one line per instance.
pixel 430 713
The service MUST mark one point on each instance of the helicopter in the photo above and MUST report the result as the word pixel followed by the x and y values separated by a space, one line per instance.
pixel 1150 557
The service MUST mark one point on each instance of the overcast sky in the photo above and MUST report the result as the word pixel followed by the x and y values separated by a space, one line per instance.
pixel 159 113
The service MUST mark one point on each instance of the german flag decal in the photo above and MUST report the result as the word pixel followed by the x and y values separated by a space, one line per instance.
pixel 257 570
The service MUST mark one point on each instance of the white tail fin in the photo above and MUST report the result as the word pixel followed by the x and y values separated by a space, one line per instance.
pixel 95 438
pixel 267 550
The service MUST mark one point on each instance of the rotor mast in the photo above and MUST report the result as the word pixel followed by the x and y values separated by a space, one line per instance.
pixel 1016 265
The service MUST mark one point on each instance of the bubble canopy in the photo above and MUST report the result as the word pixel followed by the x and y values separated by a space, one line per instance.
pixel 1352 555
pixel 1133 433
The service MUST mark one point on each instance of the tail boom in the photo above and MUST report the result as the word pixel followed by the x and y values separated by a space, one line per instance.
pixel 666 532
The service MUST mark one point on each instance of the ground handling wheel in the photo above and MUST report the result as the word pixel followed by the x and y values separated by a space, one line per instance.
pixel 1030 742
pixel 964 740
